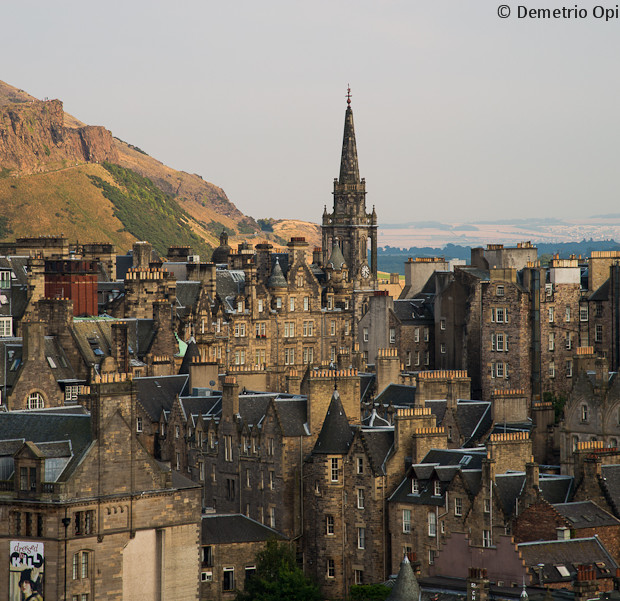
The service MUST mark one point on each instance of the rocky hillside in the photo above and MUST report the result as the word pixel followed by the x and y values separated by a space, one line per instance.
pixel 57 175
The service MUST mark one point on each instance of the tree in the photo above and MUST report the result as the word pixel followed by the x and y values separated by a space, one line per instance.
pixel 278 578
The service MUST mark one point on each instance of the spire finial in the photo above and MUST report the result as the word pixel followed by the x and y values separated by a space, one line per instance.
pixel 348 95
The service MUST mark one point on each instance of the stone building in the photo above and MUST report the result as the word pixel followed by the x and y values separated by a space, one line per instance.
pixel 100 515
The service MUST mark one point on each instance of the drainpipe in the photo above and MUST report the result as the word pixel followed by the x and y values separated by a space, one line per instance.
pixel 65 522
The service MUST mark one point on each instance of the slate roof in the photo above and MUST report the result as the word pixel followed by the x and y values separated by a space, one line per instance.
pixel 336 260
pixel 601 293
pixel 292 414
pixel 277 279
pixel 378 443
pixel 229 282
pixel 467 458
pixel 610 483
pixel 473 418
pixel 554 488
pixel 157 393
pixel 234 528
pixel 425 476
pixel 397 394
pixel 208 406
pixel 406 587
pixel 569 554
pixel 188 293
pixel 366 382
pixel 410 310
pixel 252 407
pixel 374 419
pixel 586 514
pixel 191 351
pixel 45 427
pixel 336 434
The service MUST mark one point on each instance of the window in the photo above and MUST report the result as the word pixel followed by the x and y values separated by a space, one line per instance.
pixel 272 481
pixel 228 580
pixel 599 309
pixel 332 328
pixel 569 368
pixel 436 488
pixel 567 313
pixel 335 469
pixel 228 451
pixel 260 305
pixel 416 335
pixel 406 521
pixel 552 369
pixel 330 527
pixel 206 576
pixel 425 334
pixel 583 313
pixel 549 290
pixel 417 358
pixel 278 303
pixel 458 506
pixel 427 358
pixel 306 303
pixel 486 538
pixel 584 413
pixel 291 304
pixel 431 556
pixel 443 348
pixel 500 342
pixel 138 424
pixel 177 431
pixel 365 334
pixel 28 479
pixel 415 486
pixel 499 291
pixel 308 328
pixel 442 323
pixel 598 332
pixel 331 568
pixel 360 498
pixel 249 572
pixel 178 461
pixel 408 358
pixel 83 522
pixel 35 401
pixel 230 489
pixel 80 565
pixel 359 576
pixel 6 326
pixel 569 340
pixel 487 505
pixel 289 356
pixel 432 524
pixel 551 341
pixel 360 465
pixel 361 538
pixel 308 355
pixel 5 279
pixel 272 517
pixel 71 393
pixel 551 314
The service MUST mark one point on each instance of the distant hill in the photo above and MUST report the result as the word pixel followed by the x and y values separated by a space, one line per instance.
pixel 58 175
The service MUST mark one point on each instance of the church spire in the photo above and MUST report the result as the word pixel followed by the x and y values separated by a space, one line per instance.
pixel 349 169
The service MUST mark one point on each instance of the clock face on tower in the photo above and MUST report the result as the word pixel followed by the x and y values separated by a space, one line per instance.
pixel 365 271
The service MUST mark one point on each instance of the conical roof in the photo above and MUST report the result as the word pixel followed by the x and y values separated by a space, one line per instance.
pixel 277 279
pixel 349 169
pixel 336 260
pixel 406 587
pixel 336 434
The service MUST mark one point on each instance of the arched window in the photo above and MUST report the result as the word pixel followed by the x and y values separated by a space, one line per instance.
pixel 81 565
pixel 35 401
pixel 584 413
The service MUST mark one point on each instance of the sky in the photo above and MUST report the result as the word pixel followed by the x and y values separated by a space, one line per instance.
pixel 460 115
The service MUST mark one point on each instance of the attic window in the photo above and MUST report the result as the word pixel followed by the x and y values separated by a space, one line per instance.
pixel 436 488
pixel 52 363
pixel 465 459
pixel 415 486
pixel 563 570
pixel 16 363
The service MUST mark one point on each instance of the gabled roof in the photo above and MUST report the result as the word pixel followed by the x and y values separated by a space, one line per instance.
pixel 610 483
pixel 47 427
pixel 466 458
pixel 336 434
pixel 292 414
pixel 234 528
pixel 554 488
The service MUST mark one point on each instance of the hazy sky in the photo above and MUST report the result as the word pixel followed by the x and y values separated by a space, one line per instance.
pixel 459 115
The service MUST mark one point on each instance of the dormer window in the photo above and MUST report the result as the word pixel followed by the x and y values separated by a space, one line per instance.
pixel 415 486
pixel 35 401
pixel 436 488
pixel 28 479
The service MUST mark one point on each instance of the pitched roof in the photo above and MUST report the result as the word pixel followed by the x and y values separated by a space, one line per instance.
pixel 277 279
pixel 586 514
pixel 336 434
pixel 397 394
pixel 234 528
pixel 554 488
pixel 336 260
pixel 378 443
pixel 561 558
pixel 157 393
pixel 292 414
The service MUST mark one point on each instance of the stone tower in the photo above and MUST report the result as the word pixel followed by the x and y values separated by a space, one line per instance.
pixel 349 225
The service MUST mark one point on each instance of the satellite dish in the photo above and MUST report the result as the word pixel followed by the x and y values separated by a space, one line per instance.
pixel 212 383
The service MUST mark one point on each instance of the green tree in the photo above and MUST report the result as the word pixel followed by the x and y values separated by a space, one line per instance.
pixel 278 578
pixel 369 592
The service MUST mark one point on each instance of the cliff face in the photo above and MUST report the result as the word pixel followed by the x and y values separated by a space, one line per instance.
pixel 33 138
